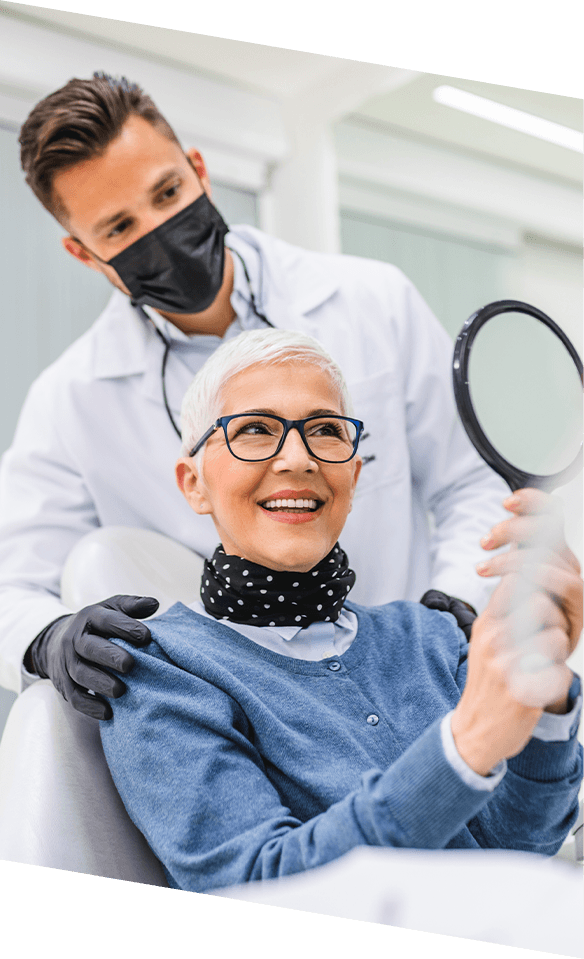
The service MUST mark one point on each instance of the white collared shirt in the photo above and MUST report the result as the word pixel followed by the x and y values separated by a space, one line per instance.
pixel 315 642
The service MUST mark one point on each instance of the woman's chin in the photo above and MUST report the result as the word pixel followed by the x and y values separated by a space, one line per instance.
pixel 291 557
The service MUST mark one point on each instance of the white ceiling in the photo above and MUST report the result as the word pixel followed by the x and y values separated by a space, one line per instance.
pixel 411 108
pixel 282 74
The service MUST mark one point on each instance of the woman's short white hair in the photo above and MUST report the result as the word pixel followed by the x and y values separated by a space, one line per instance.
pixel 201 405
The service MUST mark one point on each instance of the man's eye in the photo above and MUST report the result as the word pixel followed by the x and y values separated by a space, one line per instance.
pixel 170 192
pixel 119 228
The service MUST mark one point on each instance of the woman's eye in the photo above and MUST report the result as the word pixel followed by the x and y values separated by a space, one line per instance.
pixel 325 429
pixel 255 429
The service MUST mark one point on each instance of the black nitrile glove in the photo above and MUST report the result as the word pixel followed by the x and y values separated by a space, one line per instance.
pixel 71 649
pixel 463 613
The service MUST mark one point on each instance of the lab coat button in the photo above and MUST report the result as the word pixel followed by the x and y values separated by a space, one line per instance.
pixel 334 667
pixel 373 719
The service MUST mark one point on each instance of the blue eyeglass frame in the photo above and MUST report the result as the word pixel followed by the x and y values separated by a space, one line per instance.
pixel 288 425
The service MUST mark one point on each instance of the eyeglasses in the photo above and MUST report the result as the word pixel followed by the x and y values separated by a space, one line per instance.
pixel 254 437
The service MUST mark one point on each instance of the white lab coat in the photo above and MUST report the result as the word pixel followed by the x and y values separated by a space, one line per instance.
pixel 94 445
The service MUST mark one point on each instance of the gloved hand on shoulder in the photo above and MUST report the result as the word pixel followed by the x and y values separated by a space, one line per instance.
pixel 72 650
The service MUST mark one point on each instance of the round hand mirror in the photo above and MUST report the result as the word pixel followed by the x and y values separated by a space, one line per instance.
pixel 518 389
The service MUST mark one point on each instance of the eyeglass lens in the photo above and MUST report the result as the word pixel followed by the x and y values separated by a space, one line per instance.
pixel 255 437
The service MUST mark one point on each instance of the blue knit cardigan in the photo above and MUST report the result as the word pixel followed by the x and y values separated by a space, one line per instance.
pixel 239 764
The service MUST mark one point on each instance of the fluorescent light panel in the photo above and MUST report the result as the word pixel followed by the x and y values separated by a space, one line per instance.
pixel 510 117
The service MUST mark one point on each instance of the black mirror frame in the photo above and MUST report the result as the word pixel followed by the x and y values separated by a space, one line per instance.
pixel 515 478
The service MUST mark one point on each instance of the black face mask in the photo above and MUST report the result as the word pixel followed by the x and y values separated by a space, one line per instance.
pixel 178 267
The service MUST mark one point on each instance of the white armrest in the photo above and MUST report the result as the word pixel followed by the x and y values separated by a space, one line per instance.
pixel 58 804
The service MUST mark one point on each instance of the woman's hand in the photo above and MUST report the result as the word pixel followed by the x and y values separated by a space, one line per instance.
pixel 520 642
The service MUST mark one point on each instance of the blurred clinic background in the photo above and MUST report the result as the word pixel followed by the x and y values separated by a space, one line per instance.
pixel 330 154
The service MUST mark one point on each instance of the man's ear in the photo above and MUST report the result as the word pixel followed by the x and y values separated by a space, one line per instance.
pixel 78 252
pixel 190 484
pixel 200 169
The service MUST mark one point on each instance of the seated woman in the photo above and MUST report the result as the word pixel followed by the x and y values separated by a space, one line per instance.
pixel 275 725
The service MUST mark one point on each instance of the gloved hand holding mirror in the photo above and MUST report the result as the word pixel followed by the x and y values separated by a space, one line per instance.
pixel 518 388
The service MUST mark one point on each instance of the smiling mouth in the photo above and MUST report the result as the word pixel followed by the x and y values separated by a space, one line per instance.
pixel 291 505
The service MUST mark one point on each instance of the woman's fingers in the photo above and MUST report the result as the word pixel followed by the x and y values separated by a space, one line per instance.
pixel 538 684
pixel 526 530
pixel 540 610
pixel 530 501
pixel 520 560
pixel 523 580
pixel 537 520
pixel 527 621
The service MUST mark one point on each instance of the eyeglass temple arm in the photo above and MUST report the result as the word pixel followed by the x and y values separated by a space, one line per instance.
pixel 204 439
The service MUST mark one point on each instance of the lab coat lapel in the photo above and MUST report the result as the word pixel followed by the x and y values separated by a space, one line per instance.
pixel 120 340
pixel 293 281
pixel 126 345
pixel 177 379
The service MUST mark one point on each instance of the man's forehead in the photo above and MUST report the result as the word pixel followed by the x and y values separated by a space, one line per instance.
pixel 130 168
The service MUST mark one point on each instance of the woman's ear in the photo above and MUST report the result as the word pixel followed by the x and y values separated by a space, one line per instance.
pixel 191 485
pixel 358 463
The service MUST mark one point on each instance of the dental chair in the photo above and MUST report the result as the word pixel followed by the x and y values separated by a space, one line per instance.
pixel 58 803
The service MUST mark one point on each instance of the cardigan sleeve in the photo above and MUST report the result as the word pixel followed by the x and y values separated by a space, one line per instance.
pixel 536 801
pixel 182 757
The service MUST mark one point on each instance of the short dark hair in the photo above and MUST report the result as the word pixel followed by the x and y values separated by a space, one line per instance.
pixel 76 123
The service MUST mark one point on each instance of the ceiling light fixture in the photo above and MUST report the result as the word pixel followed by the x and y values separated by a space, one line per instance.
pixel 510 117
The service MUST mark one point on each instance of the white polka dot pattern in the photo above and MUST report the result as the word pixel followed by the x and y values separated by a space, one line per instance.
pixel 250 591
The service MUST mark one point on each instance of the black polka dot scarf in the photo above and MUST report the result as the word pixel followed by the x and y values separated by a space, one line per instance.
pixel 233 588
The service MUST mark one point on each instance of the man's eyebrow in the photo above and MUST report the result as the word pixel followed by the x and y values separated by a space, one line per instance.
pixel 109 221
pixel 169 175
pixel 122 214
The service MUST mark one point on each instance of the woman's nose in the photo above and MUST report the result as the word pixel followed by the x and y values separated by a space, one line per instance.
pixel 294 454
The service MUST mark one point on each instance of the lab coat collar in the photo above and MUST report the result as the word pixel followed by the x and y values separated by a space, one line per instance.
pixel 121 339
pixel 288 283
pixel 292 282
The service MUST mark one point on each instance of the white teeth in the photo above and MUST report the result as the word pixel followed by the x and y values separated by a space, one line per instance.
pixel 290 504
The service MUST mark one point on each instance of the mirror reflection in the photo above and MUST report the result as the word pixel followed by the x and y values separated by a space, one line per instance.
pixel 527 393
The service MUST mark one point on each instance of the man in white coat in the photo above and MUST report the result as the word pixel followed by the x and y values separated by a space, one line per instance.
pixel 135 207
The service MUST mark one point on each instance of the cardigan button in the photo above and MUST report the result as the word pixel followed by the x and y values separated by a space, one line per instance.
pixel 373 719
pixel 334 667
